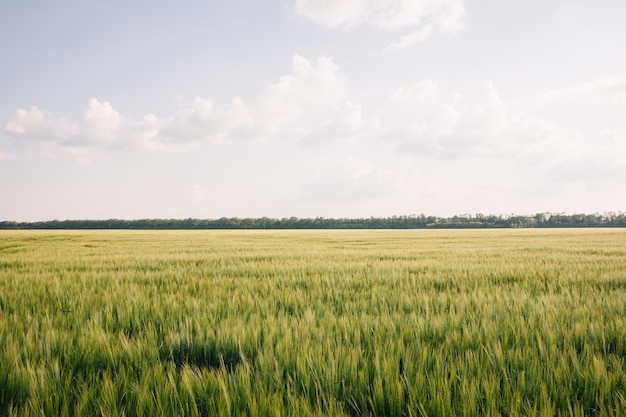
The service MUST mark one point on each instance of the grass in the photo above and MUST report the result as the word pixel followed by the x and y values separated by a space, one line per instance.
pixel 313 323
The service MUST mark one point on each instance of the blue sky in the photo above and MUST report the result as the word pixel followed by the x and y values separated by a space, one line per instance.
pixel 343 108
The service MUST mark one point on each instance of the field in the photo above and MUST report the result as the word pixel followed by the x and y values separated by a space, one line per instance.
pixel 313 323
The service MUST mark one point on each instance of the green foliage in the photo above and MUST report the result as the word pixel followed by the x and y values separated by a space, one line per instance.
pixel 333 323
pixel 478 221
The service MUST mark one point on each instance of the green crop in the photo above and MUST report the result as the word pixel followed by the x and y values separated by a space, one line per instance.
pixel 313 323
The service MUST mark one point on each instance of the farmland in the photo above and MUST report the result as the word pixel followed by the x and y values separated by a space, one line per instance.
pixel 317 323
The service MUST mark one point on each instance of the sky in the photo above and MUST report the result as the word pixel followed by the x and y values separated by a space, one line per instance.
pixel 311 108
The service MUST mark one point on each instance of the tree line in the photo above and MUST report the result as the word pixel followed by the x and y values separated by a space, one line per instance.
pixel 421 221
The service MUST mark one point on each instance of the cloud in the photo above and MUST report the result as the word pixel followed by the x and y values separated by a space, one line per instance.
pixel 348 179
pixel 467 123
pixel 101 127
pixel 308 105
pixel 482 112
pixel 568 156
pixel 347 125
pixel 301 106
pixel 614 137
pixel 424 91
pixel 428 123
pixel 201 121
pixel 309 93
pixel 101 122
pixel 422 16
pixel 34 124
pixel 419 35
pixel 606 89
pixel 386 14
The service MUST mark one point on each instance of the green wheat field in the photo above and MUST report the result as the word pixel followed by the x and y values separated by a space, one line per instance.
pixel 313 323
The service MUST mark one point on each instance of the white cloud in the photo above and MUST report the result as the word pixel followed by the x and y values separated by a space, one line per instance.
pixel 423 16
pixel 568 157
pixel 482 112
pixel 540 143
pixel 203 122
pixel 348 179
pixel 333 13
pixel 614 137
pixel 298 102
pixel 606 89
pixel 419 35
pixel 101 121
pixel 348 124
pixel 472 122
pixel 429 124
pixel 387 14
pixel 425 91
pixel 474 125
pixel 34 124
pixel 308 105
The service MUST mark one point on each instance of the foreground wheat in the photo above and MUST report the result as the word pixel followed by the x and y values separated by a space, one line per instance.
pixel 402 323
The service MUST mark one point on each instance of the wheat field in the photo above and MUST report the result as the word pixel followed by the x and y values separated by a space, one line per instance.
pixel 313 323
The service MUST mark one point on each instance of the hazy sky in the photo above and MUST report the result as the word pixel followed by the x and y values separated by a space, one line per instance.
pixel 334 108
